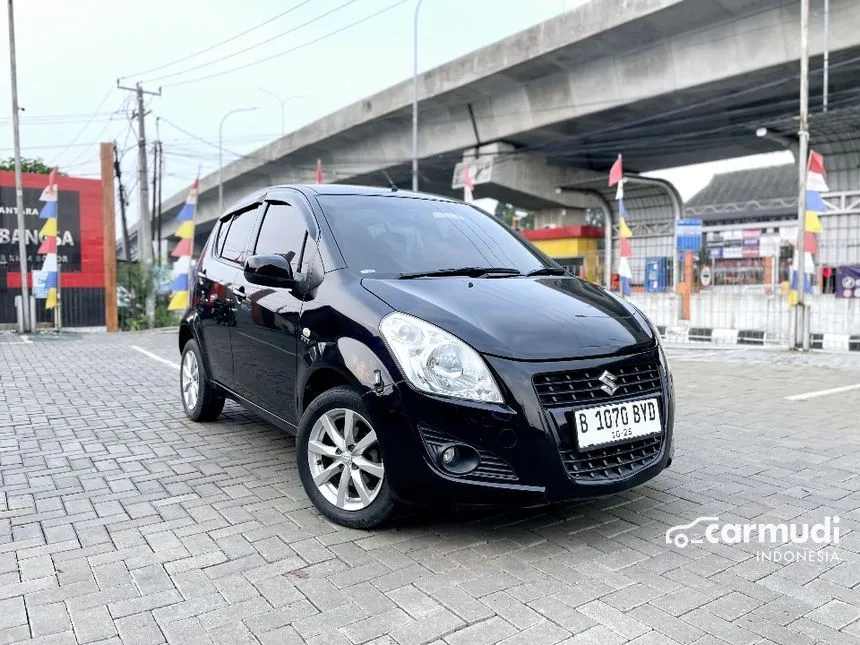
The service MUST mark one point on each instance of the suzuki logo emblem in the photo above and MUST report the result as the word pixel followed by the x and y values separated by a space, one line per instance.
pixel 609 385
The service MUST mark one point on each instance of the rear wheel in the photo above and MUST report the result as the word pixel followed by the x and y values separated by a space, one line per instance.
pixel 200 399
pixel 341 463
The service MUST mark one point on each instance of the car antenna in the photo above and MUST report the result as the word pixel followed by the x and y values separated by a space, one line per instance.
pixel 391 184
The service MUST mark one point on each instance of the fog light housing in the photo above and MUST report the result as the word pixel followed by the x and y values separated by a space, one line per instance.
pixel 457 458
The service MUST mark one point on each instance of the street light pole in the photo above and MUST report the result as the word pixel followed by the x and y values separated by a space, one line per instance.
pixel 415 100
pixel 281 102
pixel 801 335
pixel 221 155
pixel 19 189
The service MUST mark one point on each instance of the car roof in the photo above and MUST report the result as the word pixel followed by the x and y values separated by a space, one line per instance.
pixel 356 189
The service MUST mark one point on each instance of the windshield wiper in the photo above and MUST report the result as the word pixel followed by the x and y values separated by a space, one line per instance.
pixel 471 272
pixel 548 271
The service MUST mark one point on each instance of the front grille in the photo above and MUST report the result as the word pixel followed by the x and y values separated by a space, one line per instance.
pixel 490 466
pixel 634 377
pixel 612 462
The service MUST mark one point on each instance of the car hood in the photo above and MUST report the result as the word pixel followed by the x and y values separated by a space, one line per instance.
pixel 522 318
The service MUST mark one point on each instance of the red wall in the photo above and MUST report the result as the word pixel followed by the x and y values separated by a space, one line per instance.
pixel 92 228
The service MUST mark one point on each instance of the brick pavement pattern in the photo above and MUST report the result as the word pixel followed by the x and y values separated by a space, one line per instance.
pixel 122 522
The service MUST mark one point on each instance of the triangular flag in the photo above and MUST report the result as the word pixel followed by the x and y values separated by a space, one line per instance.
pixel 624 230
pixel 626 251
pixel 49 210
pixel 51 280
pixel 181 266
pixel 49 245
pixel 319 173
pixel 179 301
pixel 814 202
pixel 50 227
pixel 185 230
pixel 49 194
pixel 622 210
pixel 186 213
pixel 183 248
pixel 812 223
pixel 619 192
pixel 816 163
pixel 50 263
pixel 811 243
pixel 51 300
pixel 616 172
pixel 180 283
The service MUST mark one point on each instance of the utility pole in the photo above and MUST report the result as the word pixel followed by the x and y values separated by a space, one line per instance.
pixel 144 226
pixel 154 194
pixel 801 335
pixel 160 184
pixel 826 54
pixel 19 188
pixel 126 240
pixel 415 98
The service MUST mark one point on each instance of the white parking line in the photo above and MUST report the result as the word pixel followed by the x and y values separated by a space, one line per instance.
pixel 817 393
pixel 155 357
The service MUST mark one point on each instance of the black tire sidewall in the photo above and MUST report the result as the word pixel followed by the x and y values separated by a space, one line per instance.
pixel 382 508
pixel 191 346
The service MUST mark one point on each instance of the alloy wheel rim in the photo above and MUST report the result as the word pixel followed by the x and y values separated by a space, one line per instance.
pixel 345 459
pixel 190 380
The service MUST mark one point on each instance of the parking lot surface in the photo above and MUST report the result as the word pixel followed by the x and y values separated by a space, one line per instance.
pixel 121 521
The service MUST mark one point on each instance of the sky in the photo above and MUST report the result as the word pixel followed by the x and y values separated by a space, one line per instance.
pixel 309 53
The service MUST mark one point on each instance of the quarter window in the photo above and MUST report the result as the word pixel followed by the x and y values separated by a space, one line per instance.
pixel 237 236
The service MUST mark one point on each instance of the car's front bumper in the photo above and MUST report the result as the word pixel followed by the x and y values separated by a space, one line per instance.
pixel 526 448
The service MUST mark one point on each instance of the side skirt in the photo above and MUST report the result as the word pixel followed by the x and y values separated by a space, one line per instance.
pixel 274 419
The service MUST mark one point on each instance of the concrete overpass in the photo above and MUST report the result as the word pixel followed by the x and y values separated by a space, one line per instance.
pixel 665 82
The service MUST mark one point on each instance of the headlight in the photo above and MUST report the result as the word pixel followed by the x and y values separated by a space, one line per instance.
pixel 434 361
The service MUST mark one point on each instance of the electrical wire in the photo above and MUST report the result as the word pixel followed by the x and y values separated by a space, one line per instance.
pixel 291 50
pixel 87 124
pixel 251 47
pixel 216 45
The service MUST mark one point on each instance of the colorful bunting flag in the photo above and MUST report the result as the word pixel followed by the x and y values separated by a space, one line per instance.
pixel 319 173
pixel 816 184
pixel 616 176
pixel 46 281
pixel 181 267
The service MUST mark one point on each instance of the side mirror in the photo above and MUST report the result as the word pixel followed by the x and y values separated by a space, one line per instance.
pixel 270 270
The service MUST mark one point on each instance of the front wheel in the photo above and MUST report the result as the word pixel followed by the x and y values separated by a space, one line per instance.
pixel 341 463
pixel 201 401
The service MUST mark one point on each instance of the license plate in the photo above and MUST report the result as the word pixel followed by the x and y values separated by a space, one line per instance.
pixel 607 424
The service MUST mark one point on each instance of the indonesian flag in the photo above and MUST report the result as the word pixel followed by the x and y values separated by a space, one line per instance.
pixel 815 176
pixel 49 194
pixel 468 184
pixel 319 173
pixel 616 172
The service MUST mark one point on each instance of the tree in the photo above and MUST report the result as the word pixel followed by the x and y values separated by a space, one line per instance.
pixel 514 217
pixel 35 166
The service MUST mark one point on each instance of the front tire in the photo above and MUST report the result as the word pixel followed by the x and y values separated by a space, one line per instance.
pixel 200 399
pixel 340 461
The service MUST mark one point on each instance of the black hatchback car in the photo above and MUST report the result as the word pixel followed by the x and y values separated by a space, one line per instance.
pixel 422 352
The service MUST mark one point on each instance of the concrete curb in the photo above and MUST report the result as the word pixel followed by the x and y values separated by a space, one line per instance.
pixel 717 336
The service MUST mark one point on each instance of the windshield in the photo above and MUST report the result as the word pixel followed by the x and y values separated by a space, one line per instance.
pixel 385 237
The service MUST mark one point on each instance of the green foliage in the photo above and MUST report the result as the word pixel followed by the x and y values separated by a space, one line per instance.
pixel 514 217
pixel 132 282
pixel 35 166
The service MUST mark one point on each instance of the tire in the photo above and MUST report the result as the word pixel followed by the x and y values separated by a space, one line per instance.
pixel 364 500
pixel 200 399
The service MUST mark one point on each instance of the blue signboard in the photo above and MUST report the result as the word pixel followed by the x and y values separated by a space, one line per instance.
pixel 688 235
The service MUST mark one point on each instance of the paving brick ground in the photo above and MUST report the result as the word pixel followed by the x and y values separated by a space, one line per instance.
pixel 120 521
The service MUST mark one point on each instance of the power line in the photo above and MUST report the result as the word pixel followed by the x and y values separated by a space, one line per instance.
pixel 293 49
pixel 216 45
pixel 260 44
pixel 87 124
